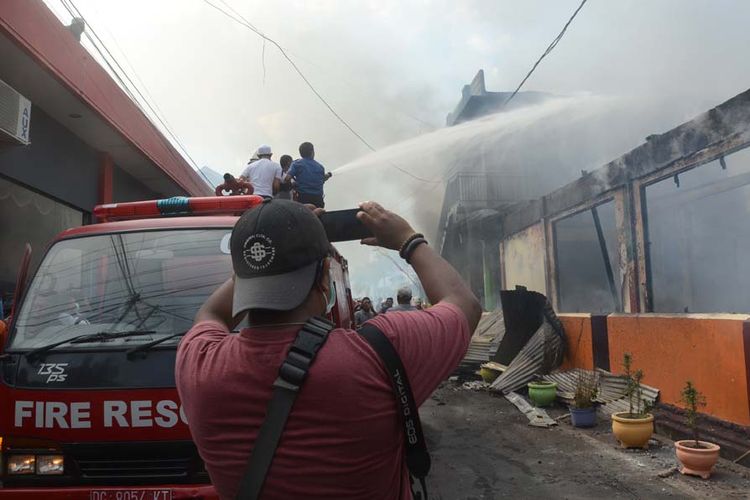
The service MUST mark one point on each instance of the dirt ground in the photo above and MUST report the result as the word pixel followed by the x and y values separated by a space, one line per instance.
pixel 483 448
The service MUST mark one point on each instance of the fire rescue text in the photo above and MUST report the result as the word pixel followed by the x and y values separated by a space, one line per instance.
pixel 116 414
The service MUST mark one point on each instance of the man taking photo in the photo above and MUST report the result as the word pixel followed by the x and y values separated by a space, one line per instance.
pixel 343 437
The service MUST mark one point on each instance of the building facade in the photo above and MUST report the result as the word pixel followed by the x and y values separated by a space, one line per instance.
pixel 70 138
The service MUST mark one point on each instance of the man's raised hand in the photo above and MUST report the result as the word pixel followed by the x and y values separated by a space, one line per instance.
pixel 389 230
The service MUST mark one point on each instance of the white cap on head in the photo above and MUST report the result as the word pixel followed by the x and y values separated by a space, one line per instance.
pixel 264 150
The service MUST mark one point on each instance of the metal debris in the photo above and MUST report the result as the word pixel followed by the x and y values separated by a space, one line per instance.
pixel 476 385
pixel 611 390
pixel 495 366
pixel 484 343
pixel 531 362
pixel 537 417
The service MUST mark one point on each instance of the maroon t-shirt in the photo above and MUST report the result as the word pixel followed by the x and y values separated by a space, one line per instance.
pixel 343 438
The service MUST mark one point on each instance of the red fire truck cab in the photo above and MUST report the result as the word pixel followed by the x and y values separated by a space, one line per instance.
pixel 89 405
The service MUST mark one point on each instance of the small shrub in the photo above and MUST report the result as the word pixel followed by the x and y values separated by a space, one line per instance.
pixel 692 399
pixel 637 406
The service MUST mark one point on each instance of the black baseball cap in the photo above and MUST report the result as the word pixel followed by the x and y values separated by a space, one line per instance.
pixel 276 250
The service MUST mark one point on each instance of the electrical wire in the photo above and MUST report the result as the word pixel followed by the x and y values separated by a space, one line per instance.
pixel 549 49
pixel 339 77
pixel 97 42
pixel 137 78
pixel 241 20
pixel 263 61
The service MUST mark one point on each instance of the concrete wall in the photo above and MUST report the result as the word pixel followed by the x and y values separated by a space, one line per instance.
pixel 671 349
pixel 523 259
pixel 56 163
pixel 711 350
pixel 126 188
pixel 579 350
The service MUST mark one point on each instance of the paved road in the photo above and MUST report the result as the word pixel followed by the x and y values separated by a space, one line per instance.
pixel 482 448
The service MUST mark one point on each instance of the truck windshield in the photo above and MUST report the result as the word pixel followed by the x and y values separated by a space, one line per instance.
pixel 151 282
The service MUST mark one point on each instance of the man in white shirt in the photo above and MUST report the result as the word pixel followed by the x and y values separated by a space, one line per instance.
pixel 264 174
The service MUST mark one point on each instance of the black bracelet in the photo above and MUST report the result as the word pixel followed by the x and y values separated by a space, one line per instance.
pixel 405 244
pixel 411 247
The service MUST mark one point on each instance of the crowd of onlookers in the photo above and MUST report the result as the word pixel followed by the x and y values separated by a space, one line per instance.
pixel 364 309
pixel 301 180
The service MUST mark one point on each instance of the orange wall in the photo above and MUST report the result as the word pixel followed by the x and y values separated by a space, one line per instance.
pixel 579 351
pixel 671 349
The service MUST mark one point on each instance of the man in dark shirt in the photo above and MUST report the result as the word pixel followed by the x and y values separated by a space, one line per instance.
pixel 309 176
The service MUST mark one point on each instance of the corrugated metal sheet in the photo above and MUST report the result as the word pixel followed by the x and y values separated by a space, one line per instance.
pixel 484 343
pixel 611 390
pixel 537 416
pixel 530 361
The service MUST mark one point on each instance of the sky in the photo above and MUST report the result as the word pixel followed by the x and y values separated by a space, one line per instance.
pixel 395 69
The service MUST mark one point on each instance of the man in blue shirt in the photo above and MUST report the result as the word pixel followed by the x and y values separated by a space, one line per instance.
pixel 309 176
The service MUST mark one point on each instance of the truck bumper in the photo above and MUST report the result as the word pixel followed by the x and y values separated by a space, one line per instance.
pixel 130 492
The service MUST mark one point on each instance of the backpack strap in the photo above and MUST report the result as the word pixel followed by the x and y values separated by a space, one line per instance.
pixel 292 375
pixel 417 456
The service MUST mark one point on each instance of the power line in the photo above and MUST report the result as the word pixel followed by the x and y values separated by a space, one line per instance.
pixel 244 22
pixel 135 74
pixel 240 19
pixel 238 14
pixel 97 41
pixel 101 55
pixel 549 49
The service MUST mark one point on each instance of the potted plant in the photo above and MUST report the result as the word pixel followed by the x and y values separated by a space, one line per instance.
pixel 633 428
pixel 696 457
pixel 583 411
pixel 542 393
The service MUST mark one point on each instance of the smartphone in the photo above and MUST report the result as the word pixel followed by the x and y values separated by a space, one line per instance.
pixel 343 225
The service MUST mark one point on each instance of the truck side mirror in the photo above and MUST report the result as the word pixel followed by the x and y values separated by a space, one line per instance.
pixel 23 272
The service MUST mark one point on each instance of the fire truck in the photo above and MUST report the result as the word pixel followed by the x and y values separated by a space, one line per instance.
pixel 89 405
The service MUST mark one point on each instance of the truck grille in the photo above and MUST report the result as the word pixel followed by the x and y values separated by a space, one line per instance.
pixel 166 469
pixel 142 462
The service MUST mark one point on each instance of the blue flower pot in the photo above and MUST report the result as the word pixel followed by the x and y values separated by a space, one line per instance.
pixel 583 417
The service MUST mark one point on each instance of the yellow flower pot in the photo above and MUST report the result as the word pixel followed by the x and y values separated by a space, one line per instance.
pixel 488 374
pixel 632 432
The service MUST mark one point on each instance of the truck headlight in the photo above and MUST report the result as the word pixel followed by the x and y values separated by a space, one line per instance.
pixel 47 465
pixel 21 464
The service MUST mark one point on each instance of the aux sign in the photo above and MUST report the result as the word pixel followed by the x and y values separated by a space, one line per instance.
pixel 24 120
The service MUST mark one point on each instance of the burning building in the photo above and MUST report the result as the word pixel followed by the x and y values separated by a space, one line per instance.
pixel 644 255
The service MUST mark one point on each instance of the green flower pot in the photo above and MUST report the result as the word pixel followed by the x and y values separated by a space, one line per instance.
pixel 542 393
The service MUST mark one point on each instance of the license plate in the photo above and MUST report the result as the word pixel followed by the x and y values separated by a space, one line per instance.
pixel 131 494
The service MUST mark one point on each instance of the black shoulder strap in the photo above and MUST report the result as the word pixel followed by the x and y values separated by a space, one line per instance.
pixel 292 374
pixel 417 457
